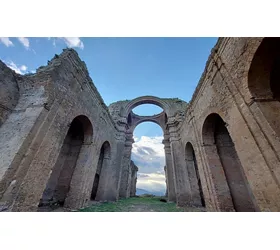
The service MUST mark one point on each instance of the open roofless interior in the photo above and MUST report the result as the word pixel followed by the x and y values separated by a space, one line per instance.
pixel 62 147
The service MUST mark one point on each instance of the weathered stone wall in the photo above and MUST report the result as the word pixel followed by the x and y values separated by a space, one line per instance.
pixel 169 120
pixel 133 179
pixel 33 135
pixel 223 90
pixel 231 128
pixel 9 91
pixel 222 149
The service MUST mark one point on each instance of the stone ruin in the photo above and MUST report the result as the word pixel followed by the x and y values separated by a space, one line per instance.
pixel 60 145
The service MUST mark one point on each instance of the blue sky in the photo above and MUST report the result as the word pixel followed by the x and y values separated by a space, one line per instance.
pixel 124 68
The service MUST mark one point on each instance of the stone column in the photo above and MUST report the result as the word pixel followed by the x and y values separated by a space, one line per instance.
pixel 166 178
pixel 194 180
pixel 111 193
pixel 133 179
pixel 170 176
pixel 182 184
pixel 126 169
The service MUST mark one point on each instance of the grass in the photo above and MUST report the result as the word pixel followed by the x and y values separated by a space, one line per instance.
pixel 136 204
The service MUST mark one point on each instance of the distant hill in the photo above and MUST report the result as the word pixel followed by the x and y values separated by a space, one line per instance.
pixel 140 191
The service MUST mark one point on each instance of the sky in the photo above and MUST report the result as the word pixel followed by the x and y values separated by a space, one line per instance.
pixel 126 68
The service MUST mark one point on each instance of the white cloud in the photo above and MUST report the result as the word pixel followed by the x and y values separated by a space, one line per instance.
pixel 6 41
pixel 151 182
pixel 23 68
pixel 154 143
pixel 18 69
pixel 148 154
pixel 24 41
pixel 71 42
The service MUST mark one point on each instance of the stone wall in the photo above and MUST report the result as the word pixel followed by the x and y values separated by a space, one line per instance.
pixel 35 131
pixel 59 142
pixel 9 91
pixel 134 170
pixel 223 91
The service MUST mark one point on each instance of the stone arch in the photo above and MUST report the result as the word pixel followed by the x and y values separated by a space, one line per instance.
pixel 146 100
pixel 194 177
pixel 264 81
pixel 134 120
pixel 147 120
pixel 103 163
pixel 231 185
pixel 79 134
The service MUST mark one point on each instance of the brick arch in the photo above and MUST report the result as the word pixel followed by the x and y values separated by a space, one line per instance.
pixel 75 144
pixel 264 73
pixel 103 165
pixel 231 185
pixel 146 100
pixel 134 120
pixel 208 125
pixel 263 82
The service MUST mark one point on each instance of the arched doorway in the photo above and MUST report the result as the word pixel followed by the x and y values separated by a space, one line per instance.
pixel 149 156
pixel 230 182
pixel 58 186
pixel 191 164
pixel 264 79
pixel 103 163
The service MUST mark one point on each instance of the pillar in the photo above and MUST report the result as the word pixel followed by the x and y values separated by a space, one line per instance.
pixel 126 169
pixel 170 175
pixel 133 179
pixel 181 176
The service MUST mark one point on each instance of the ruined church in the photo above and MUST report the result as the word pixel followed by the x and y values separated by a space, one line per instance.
pixel 60 143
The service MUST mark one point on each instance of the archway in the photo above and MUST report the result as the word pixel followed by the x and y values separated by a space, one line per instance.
pixel 191 164
pixel 147 109
pixel 229 179
pixel 103 163
pixel 264 79
pixel 148 155
pixel 58 186
pixel 173 111
pixel 160 102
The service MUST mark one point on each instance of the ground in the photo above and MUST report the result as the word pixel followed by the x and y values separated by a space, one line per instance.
pixel 139 204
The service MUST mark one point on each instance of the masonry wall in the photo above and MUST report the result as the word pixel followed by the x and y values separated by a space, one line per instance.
pixel 133 179
pixel 230 124
pixel 9 91
pixel 33 134
pixel 223 90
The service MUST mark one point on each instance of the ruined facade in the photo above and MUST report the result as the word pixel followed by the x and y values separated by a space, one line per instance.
pixel 61 145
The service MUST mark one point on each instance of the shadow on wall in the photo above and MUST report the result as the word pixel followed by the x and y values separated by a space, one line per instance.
pixel 264 78
pixel 231 185
pixel 58 186
pixel 103 163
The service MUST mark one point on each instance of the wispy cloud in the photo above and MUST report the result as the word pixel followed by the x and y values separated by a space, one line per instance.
pixel 71 42
pixel 6 41
pixel 154 182
pixel 24 41
pixel 18 69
